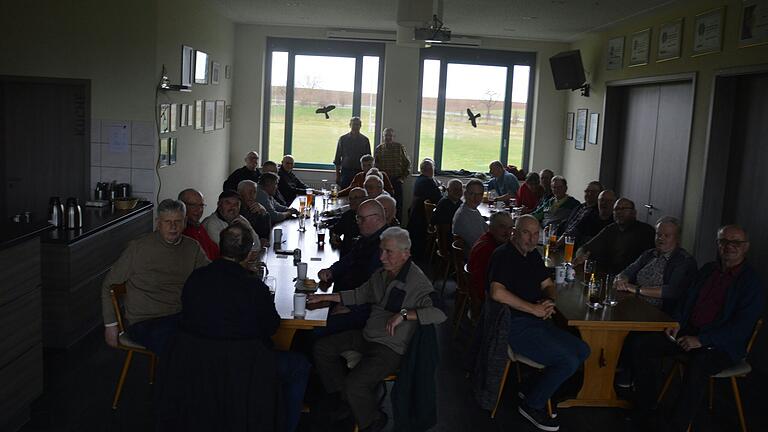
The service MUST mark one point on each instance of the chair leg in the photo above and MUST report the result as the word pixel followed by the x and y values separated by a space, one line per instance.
pixel 519 375
pixel 739 407
pixel 445 277
pixel 152 365
pixel 459 314
pixel 711 392
pixel 121 381
pixel 667 382
pixel 501 388
pixel 549 407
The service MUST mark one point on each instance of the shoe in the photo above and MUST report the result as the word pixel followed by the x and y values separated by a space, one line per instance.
pixel 521 396
pixel 539 418
pixel 378 425
pixel 623 379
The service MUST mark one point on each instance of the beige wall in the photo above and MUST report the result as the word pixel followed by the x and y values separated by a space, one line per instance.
pixel 580 167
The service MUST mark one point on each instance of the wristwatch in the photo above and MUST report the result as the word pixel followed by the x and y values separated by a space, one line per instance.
pixel 404 314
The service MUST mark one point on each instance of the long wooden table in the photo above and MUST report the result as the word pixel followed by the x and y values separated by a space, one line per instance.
pixel 281 267
pixel 604 331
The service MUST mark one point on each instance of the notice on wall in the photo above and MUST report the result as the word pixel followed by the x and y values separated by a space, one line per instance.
pixel 615 53
pixel 117 138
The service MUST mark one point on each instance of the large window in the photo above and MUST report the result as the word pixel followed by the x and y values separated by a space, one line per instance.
pixel 495 87
pixel 306 76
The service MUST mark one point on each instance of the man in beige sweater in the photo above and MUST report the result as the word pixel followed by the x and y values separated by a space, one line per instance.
pixel 154 269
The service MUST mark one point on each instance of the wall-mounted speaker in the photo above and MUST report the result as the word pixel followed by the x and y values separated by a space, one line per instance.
pixel 567 70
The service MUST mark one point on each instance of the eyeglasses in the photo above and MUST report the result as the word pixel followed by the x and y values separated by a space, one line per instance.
pixel 197 205
pixel 734 243
pixel 360 218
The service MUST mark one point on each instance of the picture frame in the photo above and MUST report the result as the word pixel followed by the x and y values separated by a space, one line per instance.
pixel 753 23
pixel 201 67
pixel 184 115
pixel 708 32
pixel 594 125
pixel 639 48
pixel 615 56
pixel 220 106
pixel 569 119
pixel 164 151
pixel 227 72
pixel 165 113
pixel 209 116
pixel 173 118
pixel 199 114
pixel 172 143
pixel 187 66
pixel 228 114
pixel 670 42
pixel 581 129
pixel 215 69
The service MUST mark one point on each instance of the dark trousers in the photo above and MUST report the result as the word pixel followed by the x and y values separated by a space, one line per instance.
pixel 293 370
pixel 357 386
pixel 346 177
pixel 561 353
pixel 398 187
pixel 649 350
pixel 154 333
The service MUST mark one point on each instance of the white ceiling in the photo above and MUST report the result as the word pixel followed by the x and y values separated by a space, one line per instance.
pixel 550 20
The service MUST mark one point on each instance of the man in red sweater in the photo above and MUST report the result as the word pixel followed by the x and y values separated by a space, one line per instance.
pixel 193 199
pixel 498 233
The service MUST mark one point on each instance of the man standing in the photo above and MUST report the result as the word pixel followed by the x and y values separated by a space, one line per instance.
pixel 499 232
pixel 350 148
pixel 716 321
pixel 265 196
pixel 289 185
pixel 193 200
pixel 556 209
pixel 399 295
pixel 153 268
pixel 585 215
pixel 504 183
pixel 391 159
pixel 468 223
pixel 519 280
pixel 227 213
pixel 619 244
pixel 254 212
pixel 247 172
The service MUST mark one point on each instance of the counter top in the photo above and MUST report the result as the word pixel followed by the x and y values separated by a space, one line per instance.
pixel 12 234
pixel 94 220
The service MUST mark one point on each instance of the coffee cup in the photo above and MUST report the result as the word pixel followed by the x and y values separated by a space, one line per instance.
pixel 299 304
pixel 301 269
pixel 278 237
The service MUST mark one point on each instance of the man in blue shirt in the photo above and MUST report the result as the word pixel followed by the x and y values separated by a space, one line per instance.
pixel 504 183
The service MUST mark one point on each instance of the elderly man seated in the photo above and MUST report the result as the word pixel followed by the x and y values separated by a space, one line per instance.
pixel 585 216
pixel 271 167
pixel 254 212
pixel 153 268
pixel 716 318
pixel 289 185
pixel 400 298
pixel 227 213
pixel 193 200
pixel 504 183
pixel 519 280
pixel 344 231
pixel 619 244
pixel 265 195
pixel 247 172
pixel 447 206
pixel 556 209
pixel 468 223
pixel 499 232
pixel 374 186
pixel 425 188
pixel 545 181
pixel 366 163
pixel 529 193
pixel 390 209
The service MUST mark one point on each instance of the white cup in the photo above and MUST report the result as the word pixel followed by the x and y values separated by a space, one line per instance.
pixel 299 304
pixel 278 236
pixel 560 274
pixel 301 268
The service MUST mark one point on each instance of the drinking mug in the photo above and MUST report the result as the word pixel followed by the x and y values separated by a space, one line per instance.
pixel 299 304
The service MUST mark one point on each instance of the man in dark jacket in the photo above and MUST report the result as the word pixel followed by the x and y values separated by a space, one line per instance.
pixel 345 231
pixel 247 172
pixel 289 185
pixel 716 318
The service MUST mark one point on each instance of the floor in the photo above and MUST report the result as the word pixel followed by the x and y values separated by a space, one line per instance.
pixel 79 385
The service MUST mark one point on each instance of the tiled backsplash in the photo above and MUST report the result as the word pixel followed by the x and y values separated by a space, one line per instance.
pixel 134 163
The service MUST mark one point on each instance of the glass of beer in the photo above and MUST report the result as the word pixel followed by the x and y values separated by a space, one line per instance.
pixel 320 235
pixel 589 269
pixel 594 301
pixel 568 253
pixel 310 197
pixel 546 242
pixel 302 204
pixel 551 240
pixel 334 191
pixel 610 291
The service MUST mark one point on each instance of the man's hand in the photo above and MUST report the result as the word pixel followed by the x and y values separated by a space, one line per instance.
pixel 623 285
pixel 579 260
pixel 672 333
pixel 689 342
pixel 110 336
pixel 325 275
pixel 257 208
pixel 544 309
pixel 393 322
pixel 319 298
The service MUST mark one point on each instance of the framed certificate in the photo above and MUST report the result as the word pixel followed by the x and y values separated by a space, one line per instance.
pixel 569 125
pixel 594 120
pixel 209 116
pixel 670 41
pixel 615 53
pixel 639 47
pixel 219 114
pixel 753 25
pixel 581 129
pixel 708 32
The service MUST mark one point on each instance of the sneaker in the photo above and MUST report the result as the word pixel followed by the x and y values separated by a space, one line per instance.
pixel 539 418
pixel 521 396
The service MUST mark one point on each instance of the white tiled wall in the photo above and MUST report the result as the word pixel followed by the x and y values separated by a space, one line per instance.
pixel 134 164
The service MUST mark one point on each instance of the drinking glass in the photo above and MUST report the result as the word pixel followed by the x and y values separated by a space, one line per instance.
pixel 610 291
pixel 271 283
pixel 589 268
pixel 320 235
pixel 324 188
pixel 302 221
pixel 334 191
pixel 302 203
pixel 593 294
pixel 568 253
pixel 310 197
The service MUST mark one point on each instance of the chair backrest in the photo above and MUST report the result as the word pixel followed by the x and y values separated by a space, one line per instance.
pixel 457 254
pixel 116 293
pixel 429 209
pixel 751 342
pixel 443 234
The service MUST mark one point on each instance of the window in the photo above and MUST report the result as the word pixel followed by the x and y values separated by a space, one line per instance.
pixel 495 87
pixel 304 76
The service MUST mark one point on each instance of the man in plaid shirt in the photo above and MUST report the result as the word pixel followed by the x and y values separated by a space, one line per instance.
pixel 390 157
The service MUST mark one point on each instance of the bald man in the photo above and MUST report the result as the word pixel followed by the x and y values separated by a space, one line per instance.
pixel 390 209
pixel 249 171
pixel 344 231
pixel 195 203
pixel 289 185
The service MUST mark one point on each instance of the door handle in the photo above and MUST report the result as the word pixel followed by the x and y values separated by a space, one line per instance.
pixel 649 206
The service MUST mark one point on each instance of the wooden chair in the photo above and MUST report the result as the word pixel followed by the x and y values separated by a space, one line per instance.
pixel 126 344
pixel 517 358
pixel 739 370
pixel 462 282
pixel 429 210
pixel 444 253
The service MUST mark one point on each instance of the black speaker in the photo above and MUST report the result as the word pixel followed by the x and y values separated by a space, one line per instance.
pixel 567 70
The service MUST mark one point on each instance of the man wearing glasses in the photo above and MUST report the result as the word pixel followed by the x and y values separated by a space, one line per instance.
pixel 195 203
pixel 716 319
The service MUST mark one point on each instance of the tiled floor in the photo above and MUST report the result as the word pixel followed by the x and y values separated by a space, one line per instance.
pixel 80 382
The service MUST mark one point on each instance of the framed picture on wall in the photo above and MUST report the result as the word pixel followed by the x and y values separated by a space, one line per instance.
pixel 569 118
pixel 670 41
pixel 163 152
pixel 220 107
pixel 708 32
pixel 198 114
pixel 201 67
pixel 187 65
pixel 753 25
pixel 165 113
pixel 594 120
pixel 215 70
pixel 639 47
pixel 228 115
pixel 581 129
pixel 173 119
pixel 615 53
pixel 209 116
pixel 172 150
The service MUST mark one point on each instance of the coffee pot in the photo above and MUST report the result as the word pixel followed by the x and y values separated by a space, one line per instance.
pixel 102 191
pixel 55 212
pixel 74 214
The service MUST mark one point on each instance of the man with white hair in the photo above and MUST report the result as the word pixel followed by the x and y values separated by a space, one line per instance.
pixel 344 231
pixel 374 186
pixel 367 168
pixel 447 206
pixel 227 213
pixel 254 212
pixel 400 298
pixel 425 188
pixel 247 172
pixel 390 209
pixel 503 182
pixel 289 185
pixel 468 223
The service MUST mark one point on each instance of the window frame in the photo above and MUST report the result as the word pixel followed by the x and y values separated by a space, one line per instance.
pixel 481 57
pixel 317 47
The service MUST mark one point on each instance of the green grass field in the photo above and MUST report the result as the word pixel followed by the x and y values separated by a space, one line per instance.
pixel 314 138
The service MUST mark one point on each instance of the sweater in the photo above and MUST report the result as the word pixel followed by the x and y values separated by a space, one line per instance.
pixel 154 272
pixel 215 224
